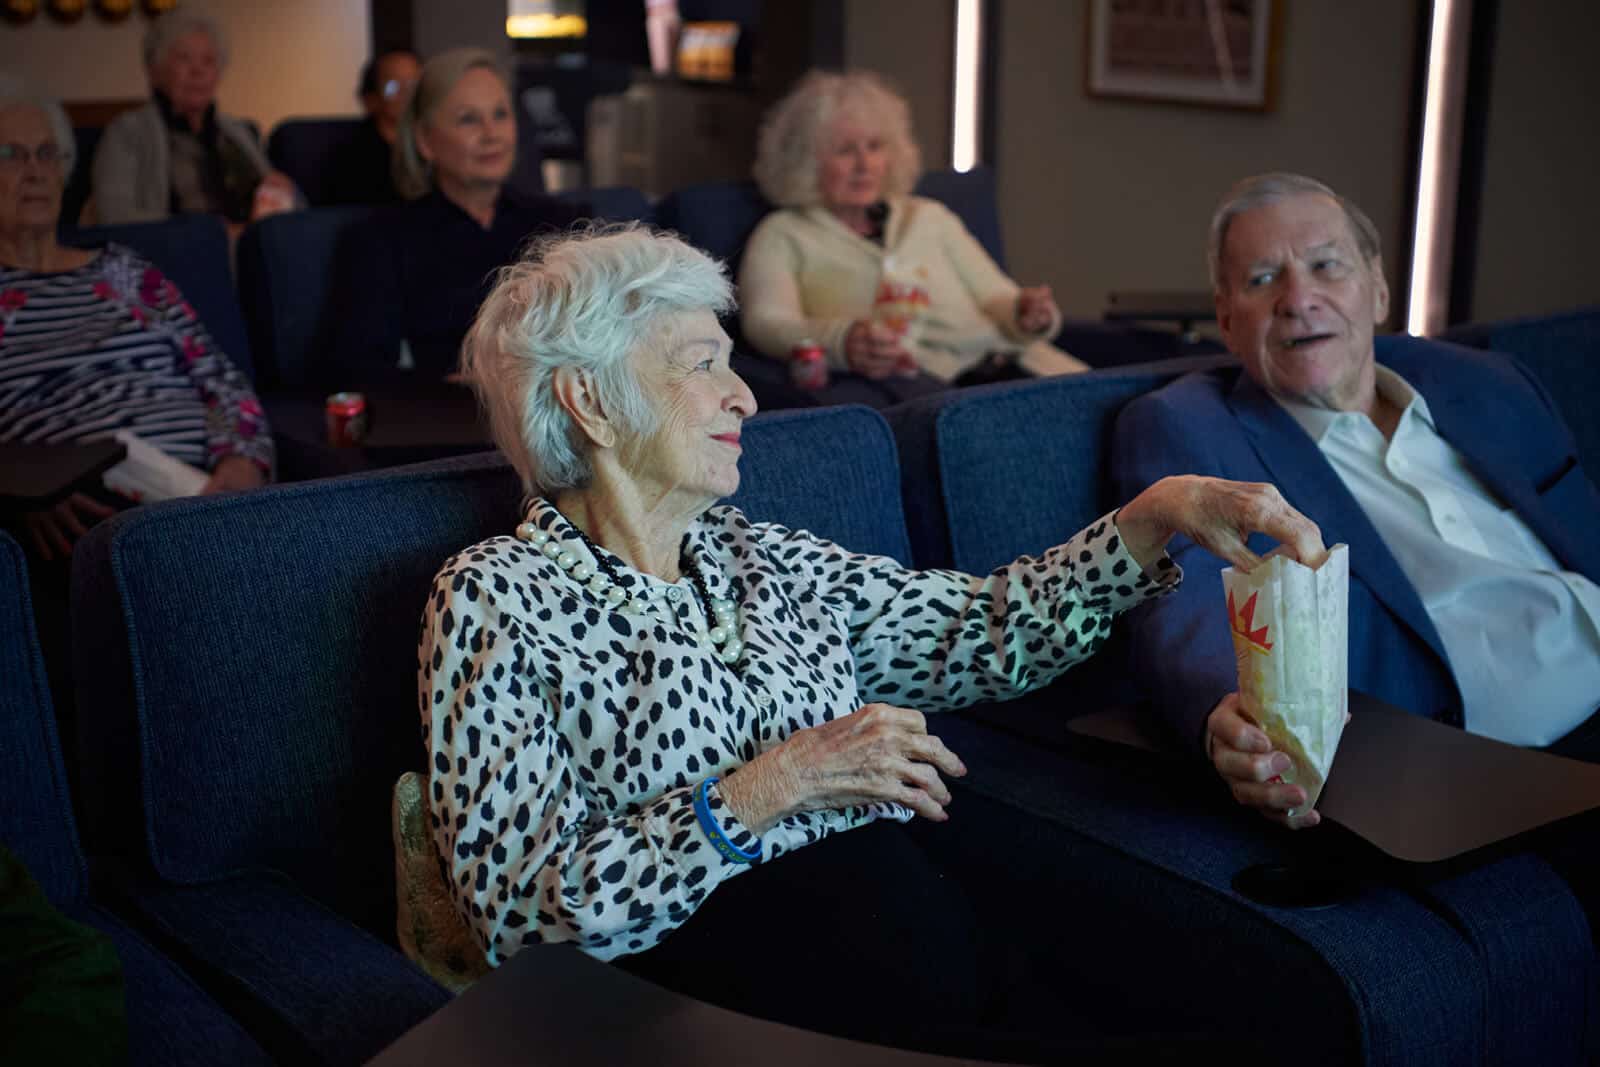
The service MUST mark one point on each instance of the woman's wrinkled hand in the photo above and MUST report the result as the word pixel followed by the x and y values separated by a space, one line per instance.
pixel 54 530
pixel 233 473
pixel 1219 516
pixel 1036 309
pixel 274 195
pixel 875 350
pixel 878 753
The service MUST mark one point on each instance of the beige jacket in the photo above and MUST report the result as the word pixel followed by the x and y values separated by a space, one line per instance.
pixel 133 171
pixel 807 275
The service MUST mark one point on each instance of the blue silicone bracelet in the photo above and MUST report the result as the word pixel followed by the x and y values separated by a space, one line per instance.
pixel 708 823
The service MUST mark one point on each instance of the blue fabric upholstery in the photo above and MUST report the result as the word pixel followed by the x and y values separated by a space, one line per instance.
pixel 716 217
pixel 614 203
pixel 286 274
pixel 998 471
pixel 38 824
pixel 1563 350
pixel 251 762
pixel 975 197
pixel 795 472
pixel 170 1020
pixel 192 251
pixel 1502 952
pixel 304 149
pixel 1001 471
pixel 1158 935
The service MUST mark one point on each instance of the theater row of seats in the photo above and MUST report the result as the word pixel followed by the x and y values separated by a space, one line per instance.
pixel 246 699
pixel 276 322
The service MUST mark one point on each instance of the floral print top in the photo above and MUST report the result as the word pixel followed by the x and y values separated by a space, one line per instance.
pixel 113 345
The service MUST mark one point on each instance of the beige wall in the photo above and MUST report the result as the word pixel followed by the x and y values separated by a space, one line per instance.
pixel 1540 220
pixel 912 42
pixel 289 57
pixel 1098 195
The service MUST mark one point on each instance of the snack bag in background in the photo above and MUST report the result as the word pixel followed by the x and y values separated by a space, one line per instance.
pixel 1290 626
pixel 901 304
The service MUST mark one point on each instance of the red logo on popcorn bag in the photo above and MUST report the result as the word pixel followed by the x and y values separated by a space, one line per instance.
pixel 898 303
pixel 1243 619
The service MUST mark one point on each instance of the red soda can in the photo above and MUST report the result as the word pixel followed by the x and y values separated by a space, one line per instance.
pixel 808 365
pixel 347 419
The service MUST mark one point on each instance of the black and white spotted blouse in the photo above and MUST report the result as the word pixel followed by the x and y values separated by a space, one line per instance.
pixel 565 737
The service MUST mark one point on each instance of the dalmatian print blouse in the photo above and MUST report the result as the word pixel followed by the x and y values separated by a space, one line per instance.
pixel 565 736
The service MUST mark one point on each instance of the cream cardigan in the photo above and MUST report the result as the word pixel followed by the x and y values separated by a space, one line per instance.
pixel 807 275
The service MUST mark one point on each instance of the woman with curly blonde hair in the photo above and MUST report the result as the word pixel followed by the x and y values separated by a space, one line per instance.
pixel 901 297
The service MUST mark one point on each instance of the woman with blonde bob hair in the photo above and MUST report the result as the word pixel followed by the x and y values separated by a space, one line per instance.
pixel 676 738
pixel 901 297
pixel 411 277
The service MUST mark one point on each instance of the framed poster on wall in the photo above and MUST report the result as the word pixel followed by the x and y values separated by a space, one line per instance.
pixel 1212 53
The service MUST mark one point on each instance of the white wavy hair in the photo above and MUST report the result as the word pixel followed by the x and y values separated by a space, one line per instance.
pixel 1263 189
pixel 180 23
pixel 793 131
pixel 14 92
pixel 587 300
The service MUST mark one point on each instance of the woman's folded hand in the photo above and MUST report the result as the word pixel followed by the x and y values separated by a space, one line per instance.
pixel 878 753
pixel 875 350
pixel 1219 516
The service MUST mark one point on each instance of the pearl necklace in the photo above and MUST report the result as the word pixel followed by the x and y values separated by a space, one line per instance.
pixel 723 634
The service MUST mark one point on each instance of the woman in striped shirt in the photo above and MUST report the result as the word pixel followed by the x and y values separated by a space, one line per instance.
pixel 97 341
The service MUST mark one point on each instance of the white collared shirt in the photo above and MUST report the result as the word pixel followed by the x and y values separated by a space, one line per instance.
pixel 1522 635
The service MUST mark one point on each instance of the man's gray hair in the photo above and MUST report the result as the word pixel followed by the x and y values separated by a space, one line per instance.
pixel 166 30
pixel 14 92
pixel 413 177
pixel 786 149
pixel 1264 189
pixel 585 300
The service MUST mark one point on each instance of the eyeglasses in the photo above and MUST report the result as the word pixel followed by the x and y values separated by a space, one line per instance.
pixel 397 87
pixel 48 154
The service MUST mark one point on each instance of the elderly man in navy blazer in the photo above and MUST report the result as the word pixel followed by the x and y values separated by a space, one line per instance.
pixel 1474 552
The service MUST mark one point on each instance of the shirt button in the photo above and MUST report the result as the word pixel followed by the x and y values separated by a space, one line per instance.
pixel 764 699
pixel 674 594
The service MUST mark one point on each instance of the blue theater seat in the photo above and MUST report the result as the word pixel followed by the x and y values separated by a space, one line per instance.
pixel 614 203
pixel 305 149
pixel 286 277
pixel 170 1019
pixel 288 267
pixel 1564 351
pixel 1489 964
pixel 191 250
pixel 249 663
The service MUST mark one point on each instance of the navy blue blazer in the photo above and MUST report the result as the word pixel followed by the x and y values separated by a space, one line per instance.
pixel 1220 423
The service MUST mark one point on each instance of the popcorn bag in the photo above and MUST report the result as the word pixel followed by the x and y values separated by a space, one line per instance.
pixel 901 303
pixel 1289 626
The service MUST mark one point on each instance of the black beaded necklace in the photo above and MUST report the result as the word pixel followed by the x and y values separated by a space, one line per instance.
pixel 688 565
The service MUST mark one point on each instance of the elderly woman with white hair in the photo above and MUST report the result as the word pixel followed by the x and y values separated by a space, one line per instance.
pixel 96 340
pixel 687 741
pixel 892 286
pixel 179 153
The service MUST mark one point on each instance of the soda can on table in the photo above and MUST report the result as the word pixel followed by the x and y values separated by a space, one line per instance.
pixel 347 419
pixel 808 365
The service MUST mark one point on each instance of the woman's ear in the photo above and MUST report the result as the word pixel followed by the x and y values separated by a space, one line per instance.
pixel 575 392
